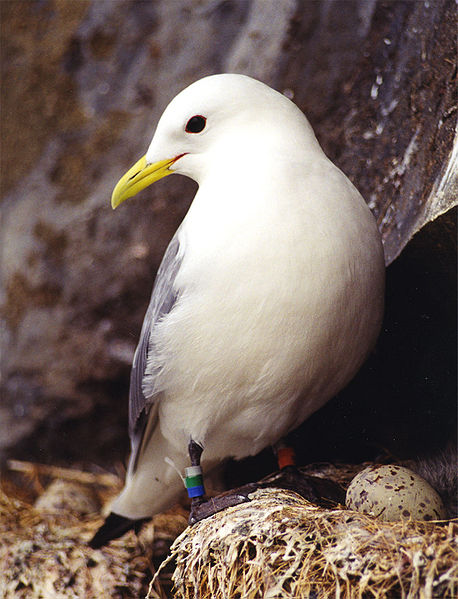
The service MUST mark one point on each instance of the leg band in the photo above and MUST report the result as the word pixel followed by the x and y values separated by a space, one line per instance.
pixel 194 481
pixel 285 457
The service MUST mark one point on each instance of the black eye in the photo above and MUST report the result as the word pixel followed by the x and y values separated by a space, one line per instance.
pixel 196 124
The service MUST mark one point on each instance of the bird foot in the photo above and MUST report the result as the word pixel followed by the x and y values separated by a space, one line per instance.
pixel 321 491
pixel 201 508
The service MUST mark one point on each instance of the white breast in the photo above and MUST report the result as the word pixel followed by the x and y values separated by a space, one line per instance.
pixel 281 302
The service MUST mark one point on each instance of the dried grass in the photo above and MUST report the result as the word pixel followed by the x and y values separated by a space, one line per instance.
pixel 43 548
pixel 276 546
pixel 281 546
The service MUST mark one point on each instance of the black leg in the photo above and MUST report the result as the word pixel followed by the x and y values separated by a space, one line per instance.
pixel 321 491
pixel 193 476
pixel 195 452
pixel 200 508
pixel 324 492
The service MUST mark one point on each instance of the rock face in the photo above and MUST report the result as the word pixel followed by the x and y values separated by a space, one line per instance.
pixel 84 84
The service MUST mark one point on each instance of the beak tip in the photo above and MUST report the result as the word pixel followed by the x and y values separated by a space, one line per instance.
pixel 117 197
pixel 139 176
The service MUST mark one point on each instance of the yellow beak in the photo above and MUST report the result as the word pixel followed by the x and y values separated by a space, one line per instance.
pixel 138 177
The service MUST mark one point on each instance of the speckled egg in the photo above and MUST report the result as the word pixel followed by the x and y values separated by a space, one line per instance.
pixel 394 493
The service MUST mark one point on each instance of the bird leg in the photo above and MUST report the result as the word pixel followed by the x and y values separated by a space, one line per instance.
pixel 201 509
pixel 193 475
pixel 320 491
pixel 195 452
pixel 285 455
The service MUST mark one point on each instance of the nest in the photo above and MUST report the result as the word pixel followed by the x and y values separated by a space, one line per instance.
pixel 281 546
pixel 44 551
pixel 276 546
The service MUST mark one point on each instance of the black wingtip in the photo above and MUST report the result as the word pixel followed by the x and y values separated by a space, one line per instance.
pixel 113 527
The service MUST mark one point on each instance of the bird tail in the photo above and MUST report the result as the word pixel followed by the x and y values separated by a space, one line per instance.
pixel 113 527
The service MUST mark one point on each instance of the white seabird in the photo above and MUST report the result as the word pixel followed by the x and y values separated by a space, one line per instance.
pixel 269 296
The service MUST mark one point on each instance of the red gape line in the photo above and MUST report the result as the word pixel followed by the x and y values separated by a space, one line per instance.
pixel 286 457
pixel 178 157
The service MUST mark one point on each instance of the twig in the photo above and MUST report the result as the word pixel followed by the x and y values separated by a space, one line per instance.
pixel 105 479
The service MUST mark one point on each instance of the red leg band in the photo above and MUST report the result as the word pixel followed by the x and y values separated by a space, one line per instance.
pixel 286 457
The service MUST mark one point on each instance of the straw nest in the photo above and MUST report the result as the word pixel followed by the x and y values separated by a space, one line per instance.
pixel 281 546
pixel 43 538
pixel 276 546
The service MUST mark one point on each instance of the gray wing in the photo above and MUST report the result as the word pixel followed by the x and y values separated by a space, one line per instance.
pixel 162 300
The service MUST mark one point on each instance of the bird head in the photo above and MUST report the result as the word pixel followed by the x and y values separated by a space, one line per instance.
pixel 212 120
